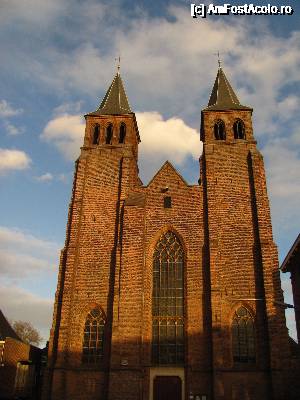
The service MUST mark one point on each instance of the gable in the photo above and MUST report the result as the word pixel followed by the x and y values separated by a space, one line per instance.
pixel 167 174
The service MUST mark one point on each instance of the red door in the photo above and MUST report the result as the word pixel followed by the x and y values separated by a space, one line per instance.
pixel 167 388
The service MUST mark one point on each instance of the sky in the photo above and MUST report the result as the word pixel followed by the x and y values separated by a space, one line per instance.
pixel 57 61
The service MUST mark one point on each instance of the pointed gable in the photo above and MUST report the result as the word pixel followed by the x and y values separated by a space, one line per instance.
pixel 223 96
pixel 168 171
pixel 115 101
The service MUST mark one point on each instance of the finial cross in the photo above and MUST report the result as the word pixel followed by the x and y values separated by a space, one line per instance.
pixel 219 59
pixel 118 59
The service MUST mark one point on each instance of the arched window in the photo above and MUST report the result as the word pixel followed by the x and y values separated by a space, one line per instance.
pixel 96 134
pixel 109 134
pixel 243 336
pixel 167 301
pixel 122 133
pixel 239 129
pixel 219 130
pixel 93 338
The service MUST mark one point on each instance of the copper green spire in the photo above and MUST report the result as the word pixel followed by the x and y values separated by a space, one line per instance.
pixel 115 101
pixel 222 96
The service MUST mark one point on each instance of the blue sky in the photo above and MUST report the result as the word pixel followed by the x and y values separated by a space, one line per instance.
pixel 57 60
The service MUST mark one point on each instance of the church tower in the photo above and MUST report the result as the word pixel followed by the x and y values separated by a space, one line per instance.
pixel 249 336
pixel 168 291
pixel 84 311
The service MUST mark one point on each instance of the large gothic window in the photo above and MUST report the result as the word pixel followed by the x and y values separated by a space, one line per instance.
pixel 243 336
pixel 167 301
pixel 93 339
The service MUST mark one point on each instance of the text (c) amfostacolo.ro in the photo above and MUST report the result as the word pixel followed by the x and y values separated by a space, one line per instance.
pixel 202 10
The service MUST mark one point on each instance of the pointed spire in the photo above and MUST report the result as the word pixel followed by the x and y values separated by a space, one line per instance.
pixel 222 96
pixel 115 101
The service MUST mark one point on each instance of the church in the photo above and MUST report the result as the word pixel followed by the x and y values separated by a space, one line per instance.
pixel 170 291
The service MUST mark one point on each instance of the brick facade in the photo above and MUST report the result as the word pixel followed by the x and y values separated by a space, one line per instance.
pixel 230 259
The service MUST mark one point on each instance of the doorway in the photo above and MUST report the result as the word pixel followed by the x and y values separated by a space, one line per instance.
pixel 167 388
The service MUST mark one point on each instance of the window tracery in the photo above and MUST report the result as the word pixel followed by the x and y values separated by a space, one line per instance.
pixel 219 130
pixel 93 337
pixel 239 129
pixel 243 336
pixel 167 301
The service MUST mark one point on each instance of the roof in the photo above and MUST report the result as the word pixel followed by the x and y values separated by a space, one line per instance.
pixel 290 257
pixel 115 101
pixel 5 329
pixel 223 96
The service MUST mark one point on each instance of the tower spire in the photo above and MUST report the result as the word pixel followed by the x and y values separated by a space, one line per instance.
pixel 115 101
pixel 223 96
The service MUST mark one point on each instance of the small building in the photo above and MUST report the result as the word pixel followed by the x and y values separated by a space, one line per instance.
pixel 291 264
pixel 19 365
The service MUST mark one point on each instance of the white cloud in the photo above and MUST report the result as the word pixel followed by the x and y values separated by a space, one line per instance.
pixel 6 110
pixel 13 160
pixel 22 255
pixel 68 108
pixel 283 169
pixel 162 140
pixel 288 107
pixel 282 164
pixel 66 133
pixel 20 304
pixel 47 177
pixel 13 130
pixel 170 138
pixel 30 11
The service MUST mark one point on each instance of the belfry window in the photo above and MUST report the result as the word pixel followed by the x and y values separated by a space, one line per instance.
pixel 109 134
pixel 167 301
pixel 243 336
pixel 93 339
pixel 239 129
pixel 96 134
pixel 122 133
pixel 219 130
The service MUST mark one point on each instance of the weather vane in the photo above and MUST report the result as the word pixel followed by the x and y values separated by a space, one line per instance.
pixel 219 59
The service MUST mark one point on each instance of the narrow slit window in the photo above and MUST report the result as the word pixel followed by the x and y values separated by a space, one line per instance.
pixel 122 133
pixel 219 130
pixel 109 134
